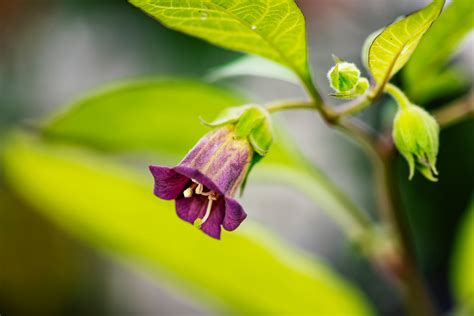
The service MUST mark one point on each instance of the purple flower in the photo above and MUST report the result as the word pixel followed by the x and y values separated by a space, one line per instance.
pixel 205 181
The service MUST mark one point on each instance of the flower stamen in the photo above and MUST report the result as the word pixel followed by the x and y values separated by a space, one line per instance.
pixel 211 196
pixel 190 191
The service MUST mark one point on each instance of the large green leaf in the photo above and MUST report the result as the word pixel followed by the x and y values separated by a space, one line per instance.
pixel 247 272
pixel 463 263
pixel 145 114
pixel 393 47
pixel 425 74
pixel 274 29
pixel 162 116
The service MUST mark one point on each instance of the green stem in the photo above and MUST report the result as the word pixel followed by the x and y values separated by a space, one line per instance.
pixel 289 105
pixel 414 291
pixel 456 112
pixel 398 95
pixel 318 102
pixel 353 107
pixel 404 269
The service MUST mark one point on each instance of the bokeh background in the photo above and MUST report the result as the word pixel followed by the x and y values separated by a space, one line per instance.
pixel 54 51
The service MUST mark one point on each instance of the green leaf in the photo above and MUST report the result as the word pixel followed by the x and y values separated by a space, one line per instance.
pixel 247 272
pixel 393 47
pixel 161 116
pixel 462 276
pixel 251 65
pixel 422 74
pixel 142 115
pixel 366 47
pixel 274 29
pixel 446 83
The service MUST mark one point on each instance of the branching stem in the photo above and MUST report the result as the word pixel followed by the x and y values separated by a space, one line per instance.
pixel 379 150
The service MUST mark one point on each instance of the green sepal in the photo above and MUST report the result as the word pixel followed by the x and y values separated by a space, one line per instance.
pixel 362 86
pixel 358 90
pixel 261 137
pixel 344 76
pixel 228 116
pixel 251 122
pixel 416 136
pixel 250 118
pixel 255 159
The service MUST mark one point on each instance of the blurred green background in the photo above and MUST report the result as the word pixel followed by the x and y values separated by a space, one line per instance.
pixel 80 232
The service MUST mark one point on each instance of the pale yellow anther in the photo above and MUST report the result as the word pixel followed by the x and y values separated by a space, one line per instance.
pixel 199 188
pixel 188 192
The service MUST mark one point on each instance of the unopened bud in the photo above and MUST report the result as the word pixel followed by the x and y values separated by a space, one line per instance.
pixel 344 78
pixel 416 135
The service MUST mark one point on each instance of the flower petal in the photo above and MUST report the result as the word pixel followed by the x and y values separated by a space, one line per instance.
pixel 168 183
pixel 234 214
pixel 195 174
pixel 189 209
pixel 212 226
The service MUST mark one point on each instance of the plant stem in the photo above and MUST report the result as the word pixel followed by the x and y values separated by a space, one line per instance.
pixel 414 291
pixel 404 268
pixel 289 105
pixel 353 107
pixel 398 95
pixel 455 112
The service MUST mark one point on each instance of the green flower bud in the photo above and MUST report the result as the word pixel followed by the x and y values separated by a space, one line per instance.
pixel 416 135
pixel 346 81
pixel 344 76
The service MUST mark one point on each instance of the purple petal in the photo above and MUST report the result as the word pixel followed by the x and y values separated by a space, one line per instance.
pixel 212 226
pixel 192 173
pixel 189 209
pixel 234 214
pixel 168 183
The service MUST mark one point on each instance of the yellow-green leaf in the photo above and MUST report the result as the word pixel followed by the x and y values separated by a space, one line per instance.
pixel 159 115
pixel 463 263
pixel 274 29
pixel 425 76
pixel 248 272
pixel 393 47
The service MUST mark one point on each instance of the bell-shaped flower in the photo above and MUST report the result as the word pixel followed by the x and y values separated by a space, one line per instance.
pixel 204 183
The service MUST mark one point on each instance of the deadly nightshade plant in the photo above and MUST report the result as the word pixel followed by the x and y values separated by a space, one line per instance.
pixel 206 180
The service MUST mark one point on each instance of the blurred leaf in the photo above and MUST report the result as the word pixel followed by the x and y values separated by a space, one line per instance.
pixel 153 115
pixel 162 116
pixel 425 73
pixel 248 272
pixel 463 262
pixel 446 83
pixel 251 65
pixel 393 47
pixel 274 29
